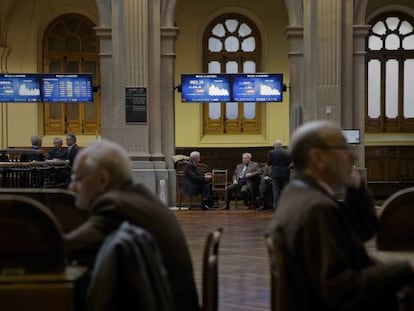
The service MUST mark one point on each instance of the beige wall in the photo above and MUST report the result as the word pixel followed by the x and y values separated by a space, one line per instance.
pixel 192 16
pixel 24 24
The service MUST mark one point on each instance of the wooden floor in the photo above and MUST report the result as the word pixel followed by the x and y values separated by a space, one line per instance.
pixel 244 279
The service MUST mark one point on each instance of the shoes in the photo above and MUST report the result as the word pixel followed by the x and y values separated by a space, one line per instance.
pixel 206 207
pixel 227 207
pixel 263 208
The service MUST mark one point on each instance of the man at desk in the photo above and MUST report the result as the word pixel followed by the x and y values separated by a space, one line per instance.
pixel 326 263
pixel 196 182
pixel 246 179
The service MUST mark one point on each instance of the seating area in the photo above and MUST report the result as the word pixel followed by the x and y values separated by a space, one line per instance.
pixel 221 178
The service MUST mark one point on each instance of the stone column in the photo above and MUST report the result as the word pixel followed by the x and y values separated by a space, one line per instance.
pixel 295 88
pixel 4 54
pixel 323 59
pixel 168 37
pixel 135 63
pixel 359 77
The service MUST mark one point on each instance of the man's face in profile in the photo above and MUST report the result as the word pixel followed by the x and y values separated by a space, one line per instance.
pixel 84 183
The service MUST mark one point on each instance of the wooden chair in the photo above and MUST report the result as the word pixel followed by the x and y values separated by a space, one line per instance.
pixel 31 239
pixel 219 183
pixel 396 222
pixel 60 202
pixel 277 273
pixel 210 289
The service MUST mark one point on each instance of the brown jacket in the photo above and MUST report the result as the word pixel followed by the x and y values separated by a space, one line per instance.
pixel 137 205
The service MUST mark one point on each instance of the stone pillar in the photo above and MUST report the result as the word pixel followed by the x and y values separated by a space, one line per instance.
pixel 134 62
pixel 324 35
pixel 168 37
pixel 4 54
pixel 295 88
pixel 359 77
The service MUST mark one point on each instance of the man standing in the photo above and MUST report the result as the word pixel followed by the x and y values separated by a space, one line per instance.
pixel 37 153
pixel 57 152
pixel 326 263
pixel 279 160
pixel 196 182
pixel 72 150
pixel 246 179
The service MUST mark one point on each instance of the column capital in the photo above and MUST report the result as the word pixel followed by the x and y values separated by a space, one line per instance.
pixel 293 32
pixel 361 30
pixel 103 32
pixel 169 32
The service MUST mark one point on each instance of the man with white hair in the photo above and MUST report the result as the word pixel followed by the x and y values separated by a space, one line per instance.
pixel 196 182
pixel 102 180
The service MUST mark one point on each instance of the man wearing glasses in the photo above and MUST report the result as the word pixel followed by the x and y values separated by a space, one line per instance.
pixel 326 263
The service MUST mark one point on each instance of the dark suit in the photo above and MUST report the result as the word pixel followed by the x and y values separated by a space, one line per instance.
pixel 248 186
pixel 136 204
pixel 279 162
pixel 71 153
pixel 37 155
pixel 326 263
pixel 57 153
pixel 194 183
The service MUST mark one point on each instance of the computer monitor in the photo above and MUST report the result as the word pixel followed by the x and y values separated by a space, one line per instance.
pixel 20 88
pixel 205 88
pixel 69 88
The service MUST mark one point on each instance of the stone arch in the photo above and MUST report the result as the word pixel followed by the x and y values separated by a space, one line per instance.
pixel 105 13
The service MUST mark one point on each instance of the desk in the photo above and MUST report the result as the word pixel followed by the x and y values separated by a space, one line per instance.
pixel 52 291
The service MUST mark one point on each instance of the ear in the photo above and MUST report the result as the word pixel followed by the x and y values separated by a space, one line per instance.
pixel 104 180
pixel 316 158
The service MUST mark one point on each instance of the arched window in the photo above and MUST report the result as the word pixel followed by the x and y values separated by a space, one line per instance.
pixel 390 79
pixel 70 45
pixel 231 44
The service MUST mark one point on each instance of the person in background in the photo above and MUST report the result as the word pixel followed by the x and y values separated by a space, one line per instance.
pixel 195 182
pixel 265 188
pixel 327 266
pixel 102 180
pixel 57 152
pixel 73 148
pixel 279 162
pixel 246 179
pixel 37 153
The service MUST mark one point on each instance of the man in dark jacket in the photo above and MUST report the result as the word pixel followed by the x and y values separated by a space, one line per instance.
pixel 102 180
pixel 196 182
pixel 279 162
pixel 73 148
pixel 326 263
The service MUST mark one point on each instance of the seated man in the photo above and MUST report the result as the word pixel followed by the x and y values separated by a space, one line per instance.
pixel 327 266
pixel 196 182
pixel 246 178
pixel 104 187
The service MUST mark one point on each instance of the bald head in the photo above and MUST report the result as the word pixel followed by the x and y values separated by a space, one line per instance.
pixel 308 136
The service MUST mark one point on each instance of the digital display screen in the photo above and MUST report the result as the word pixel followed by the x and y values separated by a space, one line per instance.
pixel 257 87
pixel 351 136
pixel 205 88
pixel 20 88
pixel 67 88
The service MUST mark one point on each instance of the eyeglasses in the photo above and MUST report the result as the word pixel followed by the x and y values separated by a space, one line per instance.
pixel 76 178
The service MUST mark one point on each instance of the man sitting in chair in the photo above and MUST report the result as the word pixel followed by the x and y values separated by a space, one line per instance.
pixel 196 182
pixel 246 179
